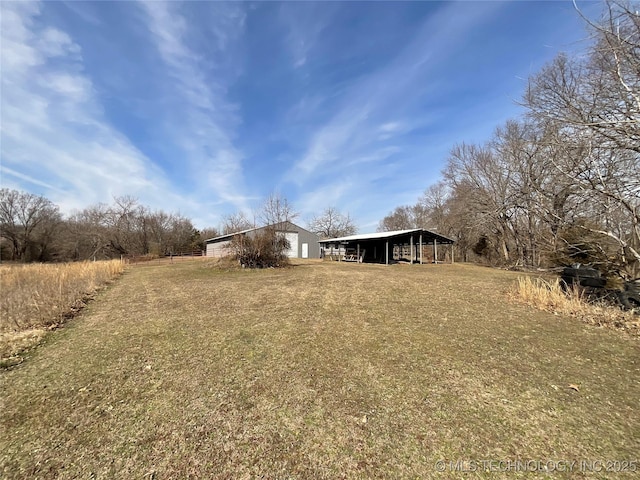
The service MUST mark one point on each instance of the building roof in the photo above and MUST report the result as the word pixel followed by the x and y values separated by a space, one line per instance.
pixel 387 235
pixel 230 235
pixel 292 227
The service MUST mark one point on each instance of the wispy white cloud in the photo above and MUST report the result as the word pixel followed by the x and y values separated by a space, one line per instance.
pixel 305 23
pixel 84 10
pixel 377 109
pixel 328 194
pixel 53 132
pixel 206 135
pixel 390 129
pixel 20 176
pixel 207 106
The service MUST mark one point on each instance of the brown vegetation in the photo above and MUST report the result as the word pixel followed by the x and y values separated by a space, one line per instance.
pixel 549 295
pixel 322 370
pixel 261 249
pixel 38 297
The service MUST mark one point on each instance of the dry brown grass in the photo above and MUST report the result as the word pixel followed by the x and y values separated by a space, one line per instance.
pixel 548 295
pixel 37 297
pixel 323 370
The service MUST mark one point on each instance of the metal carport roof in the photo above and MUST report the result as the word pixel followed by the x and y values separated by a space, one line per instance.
pixel 389 235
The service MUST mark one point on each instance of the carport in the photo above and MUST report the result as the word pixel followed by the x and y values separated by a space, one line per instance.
pixel 386 247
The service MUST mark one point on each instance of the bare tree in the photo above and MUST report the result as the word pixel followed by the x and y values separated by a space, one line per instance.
pixel 127 228
pixel 159 225
pixel 277 210
pixel 593 105
pixel 487 178
pixel 434 207
pixel 209 232
pixel 400 219
pixel 33 229
pixel 121 221
pixel 597 95
pixel 28 221
pixel 183 237
pixel 235 222
pixel 88 234
pixel 331 224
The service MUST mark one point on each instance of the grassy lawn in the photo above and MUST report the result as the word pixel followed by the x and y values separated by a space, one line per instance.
pixel 323 370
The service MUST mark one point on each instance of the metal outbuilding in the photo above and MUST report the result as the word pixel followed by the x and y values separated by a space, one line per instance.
pixel 387 247
pixel 304 244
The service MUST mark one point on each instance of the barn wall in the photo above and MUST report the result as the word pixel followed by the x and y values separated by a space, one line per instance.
pixel 297 237
pixel 218 249
pixel 305 236
pixel 294 250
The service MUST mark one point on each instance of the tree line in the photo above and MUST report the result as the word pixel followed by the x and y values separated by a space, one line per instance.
pixel 560 184
pixel 32 228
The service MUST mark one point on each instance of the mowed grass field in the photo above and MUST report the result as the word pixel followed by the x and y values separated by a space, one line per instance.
pixel 322 370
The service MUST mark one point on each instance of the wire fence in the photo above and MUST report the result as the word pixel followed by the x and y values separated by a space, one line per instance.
pixel 163 259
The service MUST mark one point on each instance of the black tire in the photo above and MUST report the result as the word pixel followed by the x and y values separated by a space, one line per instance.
pixel 566 283
pixel 624 300
pixel 583 272
pixel 633 298
pixel 592 282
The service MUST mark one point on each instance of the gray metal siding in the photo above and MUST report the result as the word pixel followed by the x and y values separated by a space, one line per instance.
pixel 305 236
pixel 220 248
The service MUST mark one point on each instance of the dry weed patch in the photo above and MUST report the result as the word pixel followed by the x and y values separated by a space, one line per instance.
pixel 549 295
pixel 322 370
pixel 37 297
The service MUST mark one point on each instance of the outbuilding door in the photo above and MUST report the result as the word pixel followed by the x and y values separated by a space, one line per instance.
pixel 305 250
pixel 293 240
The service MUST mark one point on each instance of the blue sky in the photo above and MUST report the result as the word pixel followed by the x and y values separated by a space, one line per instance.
pixel 205 108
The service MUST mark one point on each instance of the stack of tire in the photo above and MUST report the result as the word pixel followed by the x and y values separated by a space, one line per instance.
pixel 630 296
pixel 583 275
pixel 589 277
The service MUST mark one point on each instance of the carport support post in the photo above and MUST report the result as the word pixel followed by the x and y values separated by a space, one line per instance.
pixel 435 250
pixel 358 253
pixel 420 242
pixel 386 253
pixel 413 254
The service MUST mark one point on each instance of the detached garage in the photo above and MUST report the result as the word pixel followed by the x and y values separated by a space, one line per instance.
pixel 304 244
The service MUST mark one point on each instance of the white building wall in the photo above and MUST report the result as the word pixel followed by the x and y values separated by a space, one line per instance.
pixel 218 249
pixel 293 240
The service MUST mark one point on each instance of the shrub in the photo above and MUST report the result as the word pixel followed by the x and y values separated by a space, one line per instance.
pixel 261 249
